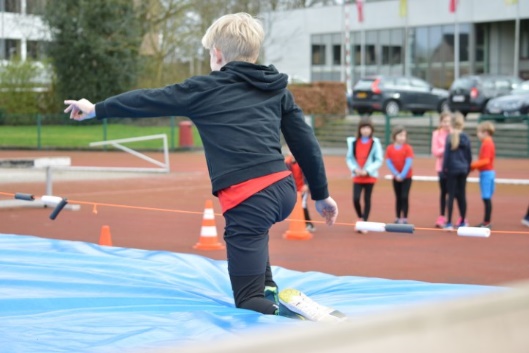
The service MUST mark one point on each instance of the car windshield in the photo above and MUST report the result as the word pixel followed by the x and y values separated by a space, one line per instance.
pixel 522 88
pixel 364 84
pixel 463 83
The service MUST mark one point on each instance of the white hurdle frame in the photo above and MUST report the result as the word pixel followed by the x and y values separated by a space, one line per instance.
pixel 163 166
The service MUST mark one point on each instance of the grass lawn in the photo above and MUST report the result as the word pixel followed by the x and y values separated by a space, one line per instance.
pixel 79 136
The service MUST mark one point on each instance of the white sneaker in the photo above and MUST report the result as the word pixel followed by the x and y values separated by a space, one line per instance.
pixel 299 303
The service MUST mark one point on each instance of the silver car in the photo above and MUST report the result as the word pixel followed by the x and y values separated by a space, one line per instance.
pixel 514 105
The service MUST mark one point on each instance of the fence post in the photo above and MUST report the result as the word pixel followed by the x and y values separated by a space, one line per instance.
pixel 105 133
pixel 39 128
pixel 527 123
pixel 387 131
pixel 172 133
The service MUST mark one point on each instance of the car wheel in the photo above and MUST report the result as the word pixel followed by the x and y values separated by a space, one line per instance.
pixel 444 106
pixel 392 108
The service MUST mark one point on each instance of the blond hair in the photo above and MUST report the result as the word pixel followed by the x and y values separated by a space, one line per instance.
pixel 238 36
pixel 444 114
pixel 397 130
pixel 487 127
pixel 458 123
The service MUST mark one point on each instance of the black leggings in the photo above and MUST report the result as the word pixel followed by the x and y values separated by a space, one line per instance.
pixel 402 191
pixel 456 185
pixel 357 191
pixel 443 193
pixel 246 236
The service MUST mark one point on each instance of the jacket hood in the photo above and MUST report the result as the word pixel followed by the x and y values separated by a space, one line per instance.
pixel 265 78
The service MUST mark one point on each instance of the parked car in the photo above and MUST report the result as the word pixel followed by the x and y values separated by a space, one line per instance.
pixel 471 93
pixel 392 94
pixel 511 105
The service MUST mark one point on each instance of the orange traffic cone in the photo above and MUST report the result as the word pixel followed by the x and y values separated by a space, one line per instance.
pixel 105 239
pixel 297 229
pixel 208 234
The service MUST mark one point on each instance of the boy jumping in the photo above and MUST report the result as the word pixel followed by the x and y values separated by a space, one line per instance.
pixel 240 109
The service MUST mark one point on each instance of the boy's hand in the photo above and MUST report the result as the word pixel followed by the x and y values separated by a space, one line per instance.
pixel 80 110
pixel 328 209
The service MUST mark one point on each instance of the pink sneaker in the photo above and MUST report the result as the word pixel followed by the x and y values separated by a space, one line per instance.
pixel 440 223
pixel 461 223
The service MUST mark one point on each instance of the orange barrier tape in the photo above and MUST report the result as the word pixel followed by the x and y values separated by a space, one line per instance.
pixel 100 204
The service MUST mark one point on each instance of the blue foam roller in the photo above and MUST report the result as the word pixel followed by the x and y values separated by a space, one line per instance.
pixel 58 209
pixel 400 228
pixel 27 197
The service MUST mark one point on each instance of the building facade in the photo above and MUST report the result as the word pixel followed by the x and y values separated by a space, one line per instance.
pixel 424 38
pixel 22 32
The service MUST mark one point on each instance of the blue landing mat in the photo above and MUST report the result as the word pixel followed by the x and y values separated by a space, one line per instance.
pixel 66 296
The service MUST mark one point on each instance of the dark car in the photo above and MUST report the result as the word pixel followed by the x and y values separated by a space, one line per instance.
pixel 392 94
pixel 512 105
pixel 472 93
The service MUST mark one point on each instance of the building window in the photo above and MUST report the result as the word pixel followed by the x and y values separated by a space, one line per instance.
pixel 35 7
pixel 336 54
pixel 11 6
pixel 357 54
pixel 371 45
pixel 391 54
pixel 11 49
pixel 318 54
pixel 524 39
pixel 371 57
pixel 36 49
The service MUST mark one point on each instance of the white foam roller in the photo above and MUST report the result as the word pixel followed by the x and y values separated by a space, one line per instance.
pixel 370 226
pixel 473 232
pixel 49 200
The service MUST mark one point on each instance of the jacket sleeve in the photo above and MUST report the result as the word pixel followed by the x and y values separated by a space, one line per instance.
pixel 352 164
pixel 303 144
pixel 146 103
pixel 378 157
pixel 485 156
pixel 438 146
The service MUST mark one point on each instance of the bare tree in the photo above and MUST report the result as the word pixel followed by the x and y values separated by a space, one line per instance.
pixel 173 30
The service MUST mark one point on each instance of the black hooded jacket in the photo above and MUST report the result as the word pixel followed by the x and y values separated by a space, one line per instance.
pixel 239 112
pixel 457 161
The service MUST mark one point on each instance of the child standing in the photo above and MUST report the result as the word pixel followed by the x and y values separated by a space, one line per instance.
pixel 302 188
pixel 240 110
pixel 399 159
pixel 456 164
pixel 438 149
pixel 485 165
pixel 364 158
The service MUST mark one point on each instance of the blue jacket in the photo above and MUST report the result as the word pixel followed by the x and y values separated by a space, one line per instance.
pixel 240 112
pixel 457 161
pixel 374 160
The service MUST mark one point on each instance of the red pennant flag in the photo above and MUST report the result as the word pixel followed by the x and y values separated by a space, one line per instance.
pixel 453 6
pixel 360 10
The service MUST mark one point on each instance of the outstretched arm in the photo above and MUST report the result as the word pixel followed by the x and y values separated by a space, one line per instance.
pixel 328 209
pixel 80 110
